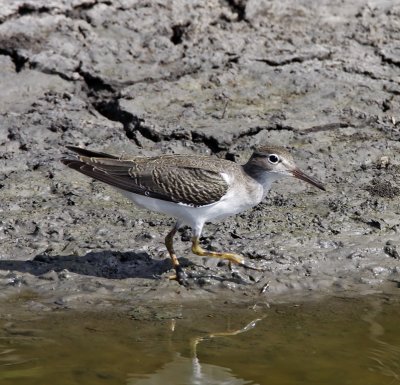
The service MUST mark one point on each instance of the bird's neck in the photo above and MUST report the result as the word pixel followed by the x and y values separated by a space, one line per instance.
pixel 260 175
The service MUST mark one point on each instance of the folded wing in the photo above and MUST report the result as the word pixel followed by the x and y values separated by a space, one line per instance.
pixel 155 177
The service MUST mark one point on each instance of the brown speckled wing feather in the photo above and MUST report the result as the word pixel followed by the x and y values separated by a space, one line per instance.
pixel 167 178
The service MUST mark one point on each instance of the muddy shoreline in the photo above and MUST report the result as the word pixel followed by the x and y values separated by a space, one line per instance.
pixel 146 78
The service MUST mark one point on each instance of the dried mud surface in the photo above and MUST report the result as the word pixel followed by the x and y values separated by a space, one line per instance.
pixel 215 78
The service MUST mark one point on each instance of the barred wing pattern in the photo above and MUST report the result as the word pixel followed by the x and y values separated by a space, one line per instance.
pixel 164 177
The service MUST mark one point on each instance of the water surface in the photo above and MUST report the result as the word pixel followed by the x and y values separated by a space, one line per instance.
pixel 331 341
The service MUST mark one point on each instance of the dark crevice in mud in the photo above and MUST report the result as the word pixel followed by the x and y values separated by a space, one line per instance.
pixel 174 76
pixel 78 11
pixel 252 131
pixel 392 88
pixel 49 71
pixel 131 123
pixel 178 32
pixel 389 60
pixel 28 9
pixel 291 60
pixel 238 7
pixel 104 98
pixel 75 12
pixel 95 83
pixel 19 46
pixel 90 5
pixel 277 63
pixel 14 134
pixel 18 60
pixel 365 73
pixel 325 127
pixel 112 111
pixel 209 141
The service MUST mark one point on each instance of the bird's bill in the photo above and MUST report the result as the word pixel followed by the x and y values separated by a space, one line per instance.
pixel 297 173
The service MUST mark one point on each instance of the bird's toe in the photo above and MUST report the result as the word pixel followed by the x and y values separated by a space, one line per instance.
pixel 181 276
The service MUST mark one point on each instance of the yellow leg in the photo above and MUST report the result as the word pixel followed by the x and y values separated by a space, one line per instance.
pixel 232 258
pixel 169 242
pixel 197 249
pixel 180 275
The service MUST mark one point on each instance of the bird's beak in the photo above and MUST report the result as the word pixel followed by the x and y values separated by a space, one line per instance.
pixel 297 173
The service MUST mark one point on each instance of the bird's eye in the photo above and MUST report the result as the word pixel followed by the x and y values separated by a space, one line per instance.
pixel 274 159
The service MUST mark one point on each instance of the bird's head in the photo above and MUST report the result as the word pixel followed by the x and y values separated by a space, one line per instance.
pixel 274 162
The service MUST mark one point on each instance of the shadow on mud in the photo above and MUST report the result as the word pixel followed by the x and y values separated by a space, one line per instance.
pixel 105 264
pixel 119 265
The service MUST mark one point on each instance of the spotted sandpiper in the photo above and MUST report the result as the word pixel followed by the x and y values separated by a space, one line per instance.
pixel 193 189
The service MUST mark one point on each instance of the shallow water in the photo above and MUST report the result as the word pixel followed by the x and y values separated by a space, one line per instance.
pixel 331 341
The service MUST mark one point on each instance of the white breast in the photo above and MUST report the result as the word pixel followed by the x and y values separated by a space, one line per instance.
pixel 235 201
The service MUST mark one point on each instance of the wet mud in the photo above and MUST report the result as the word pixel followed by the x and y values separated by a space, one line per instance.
pixel 218 79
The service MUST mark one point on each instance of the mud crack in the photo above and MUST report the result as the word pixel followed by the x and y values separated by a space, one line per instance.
pixel 239 8
pixel 290 59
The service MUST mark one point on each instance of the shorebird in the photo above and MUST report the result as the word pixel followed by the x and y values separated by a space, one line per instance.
pixel 193 189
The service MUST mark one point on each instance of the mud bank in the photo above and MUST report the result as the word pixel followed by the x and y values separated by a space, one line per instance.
pixel 134 77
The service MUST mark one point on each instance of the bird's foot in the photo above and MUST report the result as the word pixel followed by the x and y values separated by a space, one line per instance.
pixel 238 260
pixel 250 266
pixel 180 276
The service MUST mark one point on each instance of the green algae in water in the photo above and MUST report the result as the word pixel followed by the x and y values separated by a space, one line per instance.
pixel 335 341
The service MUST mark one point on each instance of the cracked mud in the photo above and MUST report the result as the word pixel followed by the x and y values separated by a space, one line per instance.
pixel 215 78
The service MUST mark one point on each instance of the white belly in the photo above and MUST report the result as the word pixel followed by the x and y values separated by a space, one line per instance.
pixel 230 204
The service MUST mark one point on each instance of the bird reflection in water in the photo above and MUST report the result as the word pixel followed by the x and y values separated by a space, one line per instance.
pixel 190 371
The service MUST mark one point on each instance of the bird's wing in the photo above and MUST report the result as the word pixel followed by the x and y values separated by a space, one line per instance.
pixel 177 183
pixel 89 153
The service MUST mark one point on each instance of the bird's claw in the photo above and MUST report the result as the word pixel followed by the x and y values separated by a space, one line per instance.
pixel 181 276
